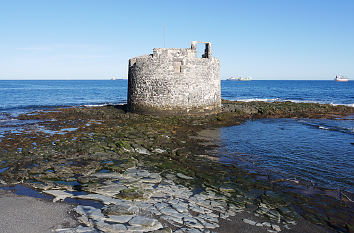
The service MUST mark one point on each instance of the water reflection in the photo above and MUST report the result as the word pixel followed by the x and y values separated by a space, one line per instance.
pixel 290 148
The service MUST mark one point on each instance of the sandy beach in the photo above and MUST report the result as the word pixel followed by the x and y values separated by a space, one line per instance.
pixel 23 214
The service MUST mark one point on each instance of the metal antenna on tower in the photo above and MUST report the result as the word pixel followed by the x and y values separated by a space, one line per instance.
pixel 164 36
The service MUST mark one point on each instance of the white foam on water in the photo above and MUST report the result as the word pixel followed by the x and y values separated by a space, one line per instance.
pixel 258 99
pixel 294 101
pixel 94 105
pixel 322 127
pixel 349 105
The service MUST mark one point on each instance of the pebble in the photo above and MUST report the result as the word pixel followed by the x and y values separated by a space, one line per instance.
pixel 182 176
pixel 276 228
pixel 245 220
pixel 158 150
pixel 142 150
pixel 266 224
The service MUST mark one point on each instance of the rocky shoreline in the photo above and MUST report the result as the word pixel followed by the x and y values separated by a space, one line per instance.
pixel 154 174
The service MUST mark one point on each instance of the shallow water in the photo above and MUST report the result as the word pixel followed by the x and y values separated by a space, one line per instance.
pixel 317 151
pixel 17 96
pixel 326 92
pixel 26 191
pixel 30 192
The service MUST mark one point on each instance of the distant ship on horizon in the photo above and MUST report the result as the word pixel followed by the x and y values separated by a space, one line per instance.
pixel 340 78
pixel 240 78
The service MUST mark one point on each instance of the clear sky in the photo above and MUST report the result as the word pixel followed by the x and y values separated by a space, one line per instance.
pixel 93 39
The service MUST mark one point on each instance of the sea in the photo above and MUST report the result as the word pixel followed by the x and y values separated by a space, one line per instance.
pixel 316 151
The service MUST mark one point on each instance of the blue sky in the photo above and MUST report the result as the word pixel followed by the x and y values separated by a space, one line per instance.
pixel 93 39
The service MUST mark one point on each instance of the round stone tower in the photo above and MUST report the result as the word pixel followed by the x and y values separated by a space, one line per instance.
pixel 174 81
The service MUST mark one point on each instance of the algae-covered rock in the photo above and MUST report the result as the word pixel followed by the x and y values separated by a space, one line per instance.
pixel 130 194
pixel 182 176
pixel 140 153
pixel 123 144
pixel 120 209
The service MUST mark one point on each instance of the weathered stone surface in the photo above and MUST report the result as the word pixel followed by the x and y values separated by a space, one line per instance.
pixel 105 227
pixel 121 209
pixel 192 222
pixel 79 229
pixel 182 176
pixel 158 150
pixel 171 212
pixel 142 228
pixel 172 203
pixel 245 220
pixel 163 230
pixel 59 195
pixel 109 190
pixel 173 219
pixel 209 217
pixel 119 218
pixel 266 224
pixel 180 208
pixel 276 227
pixel 142 221
pixel 197 209
pixel 152 179
pixel 142 151
pixel 90 211
pixel 168 82
pixel 161 205
pixel 206 224
pixel 226 189
pixel 188 230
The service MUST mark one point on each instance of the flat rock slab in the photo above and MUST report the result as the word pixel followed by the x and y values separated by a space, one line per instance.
pixel 142 221
pixel 119 218
pixel 121 209
pixel 31 215
pixel 182 176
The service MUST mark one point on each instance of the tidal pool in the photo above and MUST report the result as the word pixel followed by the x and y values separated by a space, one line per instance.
pixel 317 151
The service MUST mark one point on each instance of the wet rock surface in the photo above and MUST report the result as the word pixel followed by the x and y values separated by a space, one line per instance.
pixel 169 206
pixel 152 174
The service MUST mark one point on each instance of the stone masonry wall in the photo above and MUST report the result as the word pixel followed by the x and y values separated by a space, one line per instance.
pixel 174 81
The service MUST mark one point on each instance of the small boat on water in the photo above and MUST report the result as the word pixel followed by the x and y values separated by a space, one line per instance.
pixel 240 78
pixel 114 78
pixel 340 78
